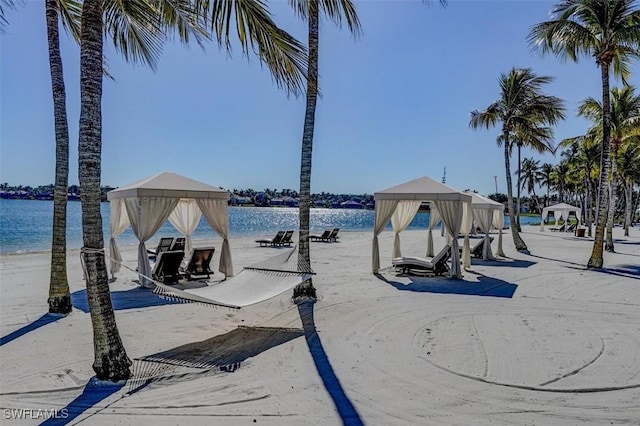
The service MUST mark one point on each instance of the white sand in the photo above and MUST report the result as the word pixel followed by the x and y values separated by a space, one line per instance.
pixel 563 350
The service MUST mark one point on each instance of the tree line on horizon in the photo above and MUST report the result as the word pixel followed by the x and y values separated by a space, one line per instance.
pixel 607 31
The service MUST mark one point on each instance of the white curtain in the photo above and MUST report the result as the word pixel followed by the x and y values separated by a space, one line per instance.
pixel 147 215
pixel 434 218
pixel 118 222
pixel 404 213
pixel 498 223
pixel 451 212
pixel 467 223
pixel 216 212
pixel 484 218
pixel 185 218
pixel 384 211
pixel 543 217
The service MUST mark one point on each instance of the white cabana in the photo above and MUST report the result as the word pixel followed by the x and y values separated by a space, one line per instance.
pixel 488 214
pixel 560 211
pixel 146 204
pixel 400 204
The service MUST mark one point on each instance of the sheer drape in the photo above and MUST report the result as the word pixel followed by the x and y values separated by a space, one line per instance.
pixel 118 222
pixel 402 216
pixel 451 212
pixel 216 213
pixel 467 222
pixel 185 218
pixel 384 211
pixel 484 219
pixel 498 223
pixel 147 215
pixel 434 218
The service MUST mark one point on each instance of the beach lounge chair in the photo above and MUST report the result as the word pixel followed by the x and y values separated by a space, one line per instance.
pixel 572 227
pixel 167 267
pixel 324 237
pixel 198 265
pixel 178 244
pixel 286 240
pixel 558 228
pixel 333 236
pixel 436 265
pixel 476 250
pixel 273 242
pixel 164 245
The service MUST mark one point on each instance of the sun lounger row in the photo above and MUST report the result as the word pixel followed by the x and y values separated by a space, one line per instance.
pixel 282 238
pixel 167 244
pixel 436 265
pixel 329 235
pixel 565 228
pixel 168 269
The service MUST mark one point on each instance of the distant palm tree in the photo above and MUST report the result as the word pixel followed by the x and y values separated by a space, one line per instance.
pixel 530 176
pixel 524 111
pixel 559 176
pixel 608 31
pixel 629 167
pixel 284 56
pixel 336 10
pixel 545 179
pixel 625 119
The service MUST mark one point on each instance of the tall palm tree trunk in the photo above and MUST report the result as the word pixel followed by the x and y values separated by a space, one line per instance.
pixel 627 207
pixel 111 361
pixel 59 294
pixel 587 204
pixel 517 240
pixel 596 260
pixel 519 183
pixel 613 193
pixel 306 289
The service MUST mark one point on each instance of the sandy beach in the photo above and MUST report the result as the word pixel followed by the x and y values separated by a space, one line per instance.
pixel 525 340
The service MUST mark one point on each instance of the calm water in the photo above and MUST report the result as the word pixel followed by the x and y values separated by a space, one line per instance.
pixel 25 225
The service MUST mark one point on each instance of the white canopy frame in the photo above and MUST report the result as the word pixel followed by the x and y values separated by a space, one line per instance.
pixel 488 214
pixel 560 211
pixel 448 201
pixel 168 196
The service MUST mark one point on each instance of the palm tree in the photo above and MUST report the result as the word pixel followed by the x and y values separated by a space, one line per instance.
pixel 529 176
pixel 524 111
pixel 625 116
pixel 545 179
pixel 336 10
pixel 59 294
pixel 283 55
pixel 608 31
pixel 629 167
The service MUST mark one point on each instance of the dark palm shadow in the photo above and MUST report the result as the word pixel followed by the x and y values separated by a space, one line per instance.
pixel 42 321
pixel 224 353
pixel 94 392
pixel 508 262
pixel 487 286
pixel 627 271
pixel 345 408
pixel 137 297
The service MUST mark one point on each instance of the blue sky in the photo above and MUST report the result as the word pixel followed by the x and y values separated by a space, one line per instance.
pixel 396 102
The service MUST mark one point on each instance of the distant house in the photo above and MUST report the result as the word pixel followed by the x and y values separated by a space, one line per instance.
pixel 237 200
pixel 351 204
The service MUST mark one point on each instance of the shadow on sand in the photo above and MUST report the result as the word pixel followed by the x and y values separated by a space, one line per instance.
pixel 345 408
pixel 94 392
pixel 625 270
pixel 42 321
pixel 137 297
pixel 508 262
pixel 225 353
pixel 487 286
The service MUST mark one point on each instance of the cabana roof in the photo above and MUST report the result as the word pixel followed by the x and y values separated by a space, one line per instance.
pixel 423 188
pixel 480 201
pixel 168 185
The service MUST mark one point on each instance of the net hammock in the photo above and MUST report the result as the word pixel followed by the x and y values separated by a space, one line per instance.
pixel 256 283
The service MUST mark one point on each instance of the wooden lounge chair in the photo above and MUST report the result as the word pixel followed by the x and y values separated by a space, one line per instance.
pixel 178 244
pixel 286 240
pixel 476 250
pixel 558 228
pixel 167 267
pixel 199 263
pixel 572 227
pixel 164 245
pixel 333 236
pixel 273 242
pixel 436 265
pixel 324 237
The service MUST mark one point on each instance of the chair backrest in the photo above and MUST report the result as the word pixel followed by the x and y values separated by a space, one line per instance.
pixel 278 238
pixel 164 244
pixel 443 255
pixel 178 244
pixel 167 267
pixel 325 234
pixel 334 233
pixel 200 260
pixel 287 237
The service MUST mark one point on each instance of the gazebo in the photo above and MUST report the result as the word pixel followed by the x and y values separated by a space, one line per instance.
pixel 146 204
pixel 560 211
pixel 488 214
pixel 401 203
